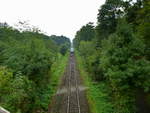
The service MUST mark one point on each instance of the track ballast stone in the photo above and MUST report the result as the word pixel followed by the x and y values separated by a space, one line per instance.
pixel 70 97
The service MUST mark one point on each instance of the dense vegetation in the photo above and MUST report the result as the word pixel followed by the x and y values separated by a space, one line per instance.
pixel 63 42
pixel 27 63
pixel 115 53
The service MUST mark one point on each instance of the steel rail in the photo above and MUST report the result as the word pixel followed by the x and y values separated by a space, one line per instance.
pixel 72 66
pixel 77 90
pixel 69 87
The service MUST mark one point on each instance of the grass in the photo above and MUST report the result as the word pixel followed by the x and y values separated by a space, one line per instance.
pixel 57 71
pixel 55 74
pixel 97 93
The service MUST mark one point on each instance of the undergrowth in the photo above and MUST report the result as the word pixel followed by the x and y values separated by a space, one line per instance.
pixel 97 93
pixel 57 71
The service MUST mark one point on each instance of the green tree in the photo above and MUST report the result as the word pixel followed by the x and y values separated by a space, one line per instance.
pixel 107 18
pixel 63 49
pixel 90 57
pixel 143 28
pixel 28 56
pixel 86 33
pixel 125 67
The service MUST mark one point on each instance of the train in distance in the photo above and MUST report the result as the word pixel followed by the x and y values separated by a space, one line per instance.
pixel 72 50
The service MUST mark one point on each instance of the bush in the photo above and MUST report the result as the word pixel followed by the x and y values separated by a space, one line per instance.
pixel 15 92
pixel 125 67
pixel 28 56
pixel 122 59
pixel 90 57
pixel 5 80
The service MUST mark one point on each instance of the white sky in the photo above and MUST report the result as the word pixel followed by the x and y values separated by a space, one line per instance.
pixel 58 17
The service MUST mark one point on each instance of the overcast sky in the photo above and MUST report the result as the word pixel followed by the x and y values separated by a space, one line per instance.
pixel 59 17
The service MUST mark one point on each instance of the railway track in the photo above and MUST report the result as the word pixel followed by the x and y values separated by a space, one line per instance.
pixel 70 97
pixel 73 102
